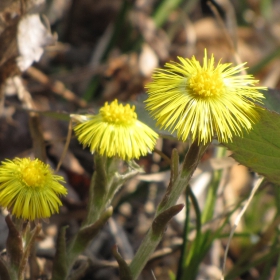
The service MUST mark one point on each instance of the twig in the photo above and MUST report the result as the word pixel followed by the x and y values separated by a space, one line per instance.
pixel 232 41
pixel 237 220
pixel 56 86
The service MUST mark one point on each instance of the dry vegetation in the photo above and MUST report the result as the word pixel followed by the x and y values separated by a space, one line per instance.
pixel 96 51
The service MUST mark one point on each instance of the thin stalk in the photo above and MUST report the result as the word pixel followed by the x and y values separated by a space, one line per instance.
pixel 186 255
pixel 184 251
pixel 197 240
pixel 187 269
pixel 237 220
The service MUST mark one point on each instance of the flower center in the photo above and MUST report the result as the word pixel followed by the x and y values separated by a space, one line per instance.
pixel 118 114
pixel 34 174
pixel 206 83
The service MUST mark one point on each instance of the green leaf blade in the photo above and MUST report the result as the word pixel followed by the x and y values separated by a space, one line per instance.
pixel 259 149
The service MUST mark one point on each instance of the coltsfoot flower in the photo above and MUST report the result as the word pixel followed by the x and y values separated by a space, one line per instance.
pixel 116 131
pixel 203 101
pixel 29 189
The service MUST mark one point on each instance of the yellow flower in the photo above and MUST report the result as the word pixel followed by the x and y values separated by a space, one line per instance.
pixel 203 101
pixel 29 189
pixel 116 131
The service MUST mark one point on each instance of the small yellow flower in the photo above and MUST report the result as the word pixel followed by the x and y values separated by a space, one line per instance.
pixel 203 101
pixel 29 189
pixel 116 131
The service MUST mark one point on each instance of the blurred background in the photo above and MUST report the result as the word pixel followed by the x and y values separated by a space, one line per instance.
pixel 88 52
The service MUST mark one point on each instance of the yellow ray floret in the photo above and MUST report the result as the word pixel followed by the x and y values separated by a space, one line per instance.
pixel 203 101
pixel 116 131
pixel 29 189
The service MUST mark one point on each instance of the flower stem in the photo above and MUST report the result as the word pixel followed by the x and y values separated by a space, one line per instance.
pixel 190 163
pixel 97 192
pixel 152 238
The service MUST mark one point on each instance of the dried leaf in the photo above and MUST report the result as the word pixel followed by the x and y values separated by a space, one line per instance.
pixel 32 37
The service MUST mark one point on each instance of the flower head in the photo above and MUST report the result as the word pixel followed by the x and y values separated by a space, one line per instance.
pixel 29 189
pixel 203 100
pixel 116 131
